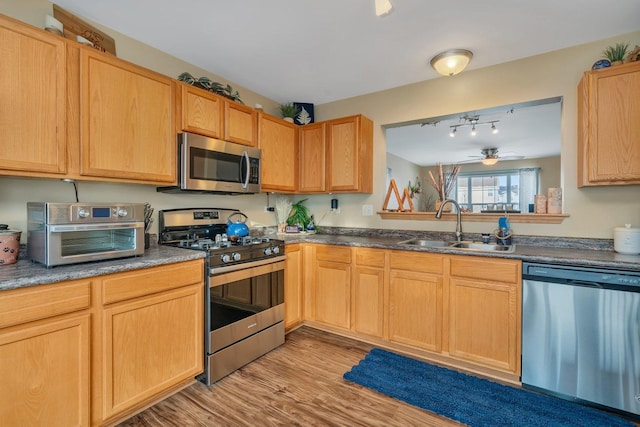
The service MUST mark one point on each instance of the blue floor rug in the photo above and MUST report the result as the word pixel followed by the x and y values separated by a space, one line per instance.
pixel 468 399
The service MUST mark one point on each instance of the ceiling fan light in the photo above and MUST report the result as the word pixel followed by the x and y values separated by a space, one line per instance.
pixel 451 62
pixel 383 7
pixel 489 161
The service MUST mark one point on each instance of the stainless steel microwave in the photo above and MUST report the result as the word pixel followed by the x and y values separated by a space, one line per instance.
pixel 215 166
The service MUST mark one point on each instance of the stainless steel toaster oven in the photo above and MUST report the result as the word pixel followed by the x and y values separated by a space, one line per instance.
pixel 69 233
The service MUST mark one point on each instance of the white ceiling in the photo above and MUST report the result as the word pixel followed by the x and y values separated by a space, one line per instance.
pixel 530 130
pixel 326 50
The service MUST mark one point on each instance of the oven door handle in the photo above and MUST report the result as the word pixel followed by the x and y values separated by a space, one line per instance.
pixel 89 227
pixel 243 266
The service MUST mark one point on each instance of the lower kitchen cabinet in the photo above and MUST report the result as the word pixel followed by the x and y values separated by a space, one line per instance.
pixel 331 283
pixel 152 333
pixel 416 300
pixel 367 297
pixel 293 291
pixel 460 310
pixel 484 313
pixel 45 355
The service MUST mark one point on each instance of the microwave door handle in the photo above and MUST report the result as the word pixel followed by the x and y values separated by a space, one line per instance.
pixel 245 160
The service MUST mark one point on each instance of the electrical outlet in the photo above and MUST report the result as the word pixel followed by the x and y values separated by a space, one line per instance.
pixel 269 209
pixel 367 210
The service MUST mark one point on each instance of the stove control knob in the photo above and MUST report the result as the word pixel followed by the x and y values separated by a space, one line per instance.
pixel 276 250
pixel 236 256
pixel 225 258
pixel 268 251
pixel 122 212
pixel 83 213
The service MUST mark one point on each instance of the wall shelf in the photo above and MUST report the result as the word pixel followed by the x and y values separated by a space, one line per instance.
pixel 476 217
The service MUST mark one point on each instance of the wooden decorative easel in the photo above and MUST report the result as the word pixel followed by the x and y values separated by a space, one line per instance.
pixel 405 197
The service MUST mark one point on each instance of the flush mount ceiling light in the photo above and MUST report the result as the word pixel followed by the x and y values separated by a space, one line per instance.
pixel 383 7
pixel 451 62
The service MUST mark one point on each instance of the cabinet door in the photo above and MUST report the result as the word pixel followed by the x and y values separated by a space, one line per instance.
pixel 201 112
pixel 279 158
pixel 484 312
pixel 367 298
pixel 240 124
pixel 608 112
pixel 350 153
pixel 415 309
pixel 151 344
pixel 127 121
pixel 45 373
pixel 332 293
pixel 32 100
pixel 312 158
pixel 293 287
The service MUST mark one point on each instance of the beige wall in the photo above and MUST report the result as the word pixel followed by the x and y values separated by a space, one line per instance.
pixel 594 211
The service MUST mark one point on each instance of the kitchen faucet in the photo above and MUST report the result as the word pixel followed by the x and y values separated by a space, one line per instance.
pixel 459 217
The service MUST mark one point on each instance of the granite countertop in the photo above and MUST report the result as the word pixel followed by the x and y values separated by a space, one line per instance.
pixel 576 252
pixel 27 273
pixel 543 253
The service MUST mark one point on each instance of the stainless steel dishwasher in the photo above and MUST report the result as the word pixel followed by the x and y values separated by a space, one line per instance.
pixel 581 335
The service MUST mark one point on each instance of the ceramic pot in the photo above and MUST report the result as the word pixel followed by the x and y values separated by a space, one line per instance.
pixel 9 245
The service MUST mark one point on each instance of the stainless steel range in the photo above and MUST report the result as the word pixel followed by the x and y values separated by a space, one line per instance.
pixel 244 293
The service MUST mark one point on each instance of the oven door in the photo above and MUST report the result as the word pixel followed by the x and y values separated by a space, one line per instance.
pixel 244 302
pixel 213 165
pixel 70 244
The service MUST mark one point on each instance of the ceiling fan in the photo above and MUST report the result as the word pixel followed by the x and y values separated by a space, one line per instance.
pixel 490 157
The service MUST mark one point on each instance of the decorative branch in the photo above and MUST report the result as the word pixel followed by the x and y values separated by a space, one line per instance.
pixel 446 180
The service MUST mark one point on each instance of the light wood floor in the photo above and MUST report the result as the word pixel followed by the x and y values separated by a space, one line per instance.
pixel 298 384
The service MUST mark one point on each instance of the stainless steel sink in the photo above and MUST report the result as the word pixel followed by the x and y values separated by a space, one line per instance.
pixel 486 247
pixel 466 245
pixel 426 243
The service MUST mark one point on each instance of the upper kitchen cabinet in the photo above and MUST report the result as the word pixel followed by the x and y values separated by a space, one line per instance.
pixel 278 141
pixel 205 113
pixel 609 126
pixel 127 129
pixel 313 158
pixel 350 155
pixel 32 101
pixel 240 123
pixel 200 111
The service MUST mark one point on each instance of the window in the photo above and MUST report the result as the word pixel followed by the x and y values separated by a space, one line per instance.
pixel 511 190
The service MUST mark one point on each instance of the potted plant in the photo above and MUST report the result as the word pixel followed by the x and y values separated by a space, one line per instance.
pixel 288 112
pixel 616 53
pixel 299 215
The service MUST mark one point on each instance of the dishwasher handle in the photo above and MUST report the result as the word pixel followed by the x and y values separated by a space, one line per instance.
pixel 584 283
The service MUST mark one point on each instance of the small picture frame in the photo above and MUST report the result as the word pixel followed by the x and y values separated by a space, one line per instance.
pixel 305 113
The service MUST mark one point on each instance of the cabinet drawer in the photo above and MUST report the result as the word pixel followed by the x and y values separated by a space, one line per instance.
pixel 370 257
pixel 413 261
pixel 124 286
pixel 333 253
pixel 39 302
pixel 491 269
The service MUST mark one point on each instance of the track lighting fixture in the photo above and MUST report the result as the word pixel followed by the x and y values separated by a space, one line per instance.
pixel 473 130
pixel 452 133
pixel 473 121
pixel 494 129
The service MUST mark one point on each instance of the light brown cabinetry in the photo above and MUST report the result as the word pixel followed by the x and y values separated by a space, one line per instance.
pixel 484 312
pixel 127 122
pixel 278 141
pixel 45 354
pixel 205 113
pixel 33 115
pixel 313 157
pixel 331 286
pixel 609 126
pixel 416 299
pixel 152 329
pixel 350 155
pixel 293 290
pixel 368 291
